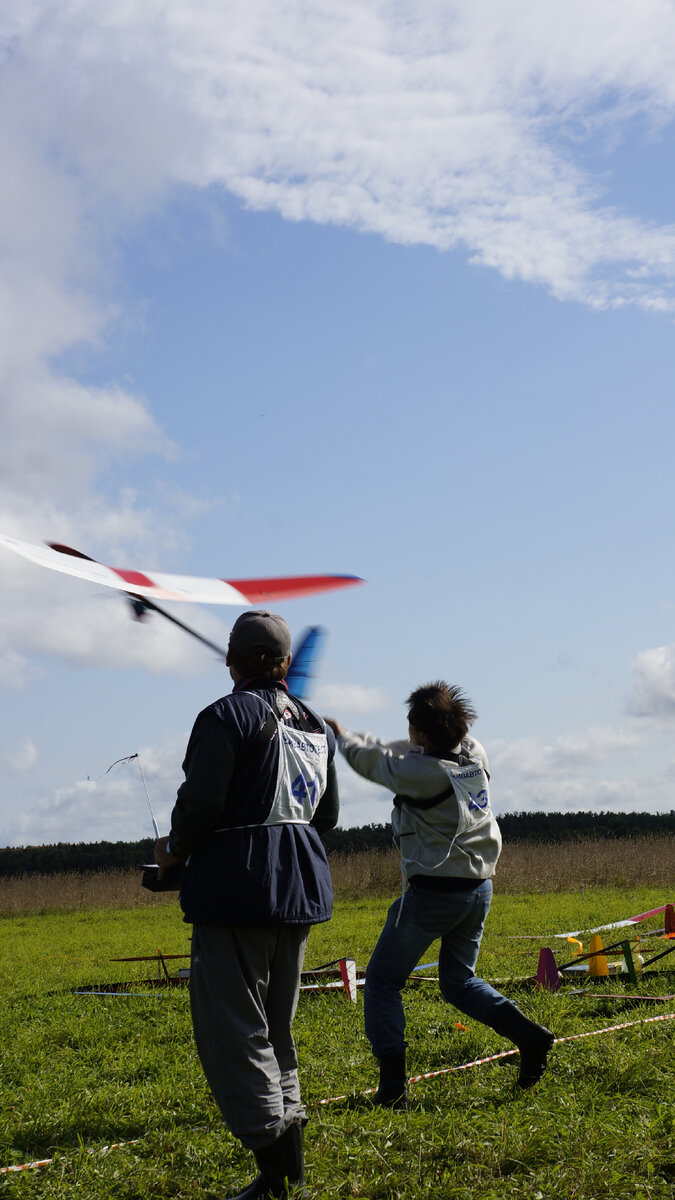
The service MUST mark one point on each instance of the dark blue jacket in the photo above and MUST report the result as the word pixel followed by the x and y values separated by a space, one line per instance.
pixel 266 874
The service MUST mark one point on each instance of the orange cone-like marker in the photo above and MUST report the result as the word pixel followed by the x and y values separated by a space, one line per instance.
pixel 597 966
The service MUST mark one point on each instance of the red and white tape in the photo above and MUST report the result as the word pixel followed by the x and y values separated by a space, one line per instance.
pixel 478 1062
pixel 45 1162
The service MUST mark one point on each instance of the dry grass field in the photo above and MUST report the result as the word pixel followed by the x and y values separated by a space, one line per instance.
pixel 525 867
pixel 529 867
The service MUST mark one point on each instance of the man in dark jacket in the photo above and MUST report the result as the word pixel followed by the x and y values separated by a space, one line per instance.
pixel 260 788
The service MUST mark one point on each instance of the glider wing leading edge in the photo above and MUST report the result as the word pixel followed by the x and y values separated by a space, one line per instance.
pixel 160 586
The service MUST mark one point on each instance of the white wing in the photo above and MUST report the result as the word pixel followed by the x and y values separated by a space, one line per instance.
pixel 160 586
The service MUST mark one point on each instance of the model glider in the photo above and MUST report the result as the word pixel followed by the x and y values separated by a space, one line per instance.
pixel 156 586
pixel 653 912
pixel 144 589
pixel 304 659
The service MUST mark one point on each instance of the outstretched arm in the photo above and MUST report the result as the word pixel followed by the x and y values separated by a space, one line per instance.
pixel 413 774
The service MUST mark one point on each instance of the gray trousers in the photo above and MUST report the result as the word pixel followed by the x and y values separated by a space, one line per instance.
pixel 244 985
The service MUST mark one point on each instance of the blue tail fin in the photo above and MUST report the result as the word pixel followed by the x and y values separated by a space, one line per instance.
pixel 306 655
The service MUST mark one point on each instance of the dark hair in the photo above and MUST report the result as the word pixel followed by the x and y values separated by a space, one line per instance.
pixel 443 712
pixel 258 662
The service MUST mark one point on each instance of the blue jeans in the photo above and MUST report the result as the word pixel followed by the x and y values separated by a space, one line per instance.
pixel 457 918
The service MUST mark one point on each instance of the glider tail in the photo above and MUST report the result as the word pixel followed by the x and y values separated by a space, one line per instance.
pixel 305 658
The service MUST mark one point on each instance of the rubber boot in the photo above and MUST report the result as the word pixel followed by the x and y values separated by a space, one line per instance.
pixel 392 1091
pixel 534 1041
pixel 282 1169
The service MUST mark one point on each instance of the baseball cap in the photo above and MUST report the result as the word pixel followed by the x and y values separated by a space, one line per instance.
pixel 261 628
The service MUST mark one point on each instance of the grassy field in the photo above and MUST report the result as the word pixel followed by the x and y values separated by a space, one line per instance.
pixel 81 1072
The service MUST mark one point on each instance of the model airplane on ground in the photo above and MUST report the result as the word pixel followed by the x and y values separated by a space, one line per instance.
pixel 340 975
pixel 144 588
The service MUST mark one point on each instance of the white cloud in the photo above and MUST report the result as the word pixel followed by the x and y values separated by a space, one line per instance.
pixel 55 436
pixel 113 807
pixel 22 756
pixel 631 793
pixel 456 125
pixel 599 769
pixel 531 758
pixel 82 624
pixel 16 671
pixel 347 698
pixel 653 693
pixel 452 125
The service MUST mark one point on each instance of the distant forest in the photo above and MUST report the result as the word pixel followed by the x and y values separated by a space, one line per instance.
pixel 515 827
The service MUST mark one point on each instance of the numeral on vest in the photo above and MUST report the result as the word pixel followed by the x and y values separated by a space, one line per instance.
pixel 305 789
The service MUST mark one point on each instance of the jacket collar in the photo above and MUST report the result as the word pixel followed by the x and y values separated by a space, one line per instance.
pixel 259 684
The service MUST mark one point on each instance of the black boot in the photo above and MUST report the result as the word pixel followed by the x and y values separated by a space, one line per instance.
pixel 282 1169
pixel 392 1092
pixel 534 1041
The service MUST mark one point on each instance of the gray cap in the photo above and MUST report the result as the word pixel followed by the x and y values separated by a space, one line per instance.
pixel 260 628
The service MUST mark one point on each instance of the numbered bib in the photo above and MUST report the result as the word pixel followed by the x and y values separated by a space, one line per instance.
pixel 421 835
pixel 472 792
pixel 301 774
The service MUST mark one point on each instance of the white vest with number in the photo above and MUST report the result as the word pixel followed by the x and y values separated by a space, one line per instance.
pixel 421 834
pixel 302 773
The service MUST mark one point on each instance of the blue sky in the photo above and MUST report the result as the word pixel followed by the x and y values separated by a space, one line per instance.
pixel 291 291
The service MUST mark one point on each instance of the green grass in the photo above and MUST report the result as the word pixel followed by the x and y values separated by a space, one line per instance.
pixel 78 1073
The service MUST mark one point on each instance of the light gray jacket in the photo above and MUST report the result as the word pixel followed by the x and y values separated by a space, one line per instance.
pixel 456 836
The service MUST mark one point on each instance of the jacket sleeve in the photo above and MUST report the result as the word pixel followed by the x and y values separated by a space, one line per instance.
pixel 200 802
pixel 414 774
pixel 328 808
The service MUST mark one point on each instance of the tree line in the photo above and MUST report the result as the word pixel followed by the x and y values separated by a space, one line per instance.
pixel 515 827
pixel 527 827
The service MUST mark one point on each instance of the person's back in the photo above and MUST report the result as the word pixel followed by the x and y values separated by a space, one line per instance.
pixel 260 787
pixel 256 865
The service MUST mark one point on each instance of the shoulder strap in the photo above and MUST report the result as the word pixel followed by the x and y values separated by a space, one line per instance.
pixel 282 702
pixel 308 720
pixel 465 757
pixel 267 731
pixel 424 801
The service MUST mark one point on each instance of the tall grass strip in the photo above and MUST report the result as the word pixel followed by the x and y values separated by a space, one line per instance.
pixel 524 868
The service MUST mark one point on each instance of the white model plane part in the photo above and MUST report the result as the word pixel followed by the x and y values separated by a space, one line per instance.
pixel 161 586
pixel 653 912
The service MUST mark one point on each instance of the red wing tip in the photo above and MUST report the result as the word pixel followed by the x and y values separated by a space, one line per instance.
pixel 288 587
pixel 340 580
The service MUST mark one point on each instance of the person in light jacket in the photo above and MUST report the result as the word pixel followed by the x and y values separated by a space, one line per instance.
pixel 449 842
